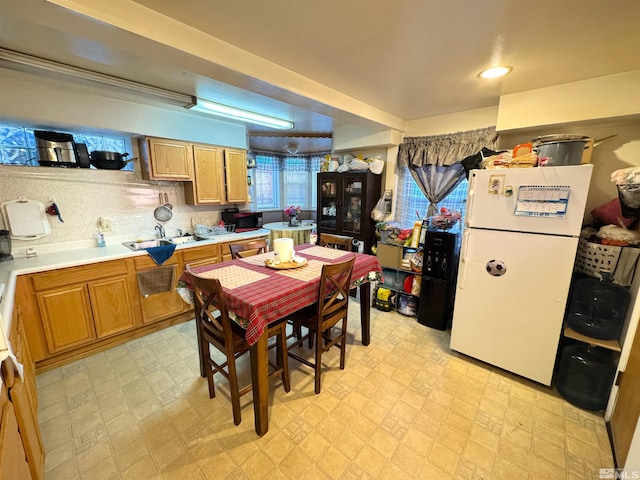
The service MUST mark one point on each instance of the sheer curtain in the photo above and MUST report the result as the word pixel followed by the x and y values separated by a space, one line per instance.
pixel 283 180
pixel 434 162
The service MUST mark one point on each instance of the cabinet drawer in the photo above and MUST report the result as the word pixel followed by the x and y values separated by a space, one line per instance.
pixel 145 262
pixel 67 276
pixel 202 253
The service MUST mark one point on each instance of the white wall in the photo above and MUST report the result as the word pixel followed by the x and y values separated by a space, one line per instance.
pixel 603 99
pixel 49 103
pixel 454 122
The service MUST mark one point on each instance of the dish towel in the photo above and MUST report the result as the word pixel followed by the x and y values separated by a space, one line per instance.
pixel 161 254
pixel 156 280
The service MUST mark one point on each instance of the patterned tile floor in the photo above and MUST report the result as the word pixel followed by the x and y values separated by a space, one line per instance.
pixel 404 407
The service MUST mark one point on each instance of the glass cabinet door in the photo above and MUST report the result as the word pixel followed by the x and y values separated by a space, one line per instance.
pixel 328 209
pixel 352 206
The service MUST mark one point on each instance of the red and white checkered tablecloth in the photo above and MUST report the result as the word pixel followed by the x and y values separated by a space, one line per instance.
pixel 273 294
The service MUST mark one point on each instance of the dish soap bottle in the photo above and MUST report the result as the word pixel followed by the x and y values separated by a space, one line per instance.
pixel 100 239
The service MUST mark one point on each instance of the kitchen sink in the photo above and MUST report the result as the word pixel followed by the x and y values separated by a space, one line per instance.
pixel 183 239
pixel 143 245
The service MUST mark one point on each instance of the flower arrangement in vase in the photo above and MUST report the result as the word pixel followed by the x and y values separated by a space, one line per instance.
pixel 292 212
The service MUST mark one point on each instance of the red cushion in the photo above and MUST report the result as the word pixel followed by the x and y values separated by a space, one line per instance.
pixel 610 213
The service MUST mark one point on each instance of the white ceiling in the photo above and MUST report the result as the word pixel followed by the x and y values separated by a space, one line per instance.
pixel 374 63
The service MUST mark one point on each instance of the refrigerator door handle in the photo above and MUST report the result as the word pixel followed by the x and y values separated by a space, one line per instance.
pixel 463 259
pixel 471 193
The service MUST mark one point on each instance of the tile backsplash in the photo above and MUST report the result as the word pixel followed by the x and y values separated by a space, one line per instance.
pixel 85 195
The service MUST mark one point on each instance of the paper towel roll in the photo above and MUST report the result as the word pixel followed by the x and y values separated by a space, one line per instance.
pixel 284 248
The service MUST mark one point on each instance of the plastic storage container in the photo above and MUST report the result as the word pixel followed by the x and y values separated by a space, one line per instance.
pixel 585 375
pixel 597 308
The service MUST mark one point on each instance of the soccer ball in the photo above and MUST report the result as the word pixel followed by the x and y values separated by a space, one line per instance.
pixel 496 268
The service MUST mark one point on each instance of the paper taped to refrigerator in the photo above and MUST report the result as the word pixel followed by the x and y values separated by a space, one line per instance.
pixel 542 201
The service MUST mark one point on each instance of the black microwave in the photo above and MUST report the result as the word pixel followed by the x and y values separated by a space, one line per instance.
pixel 244 221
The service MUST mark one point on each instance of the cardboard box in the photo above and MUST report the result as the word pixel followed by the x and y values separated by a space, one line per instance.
pixel 390 255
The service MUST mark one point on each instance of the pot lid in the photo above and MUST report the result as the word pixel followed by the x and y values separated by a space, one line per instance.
pixel 565 137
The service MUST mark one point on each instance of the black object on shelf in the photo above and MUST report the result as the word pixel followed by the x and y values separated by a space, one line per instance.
pixel 437 288
pixel 585 376
pixel 597 308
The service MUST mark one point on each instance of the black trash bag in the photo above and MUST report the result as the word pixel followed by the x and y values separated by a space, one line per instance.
pixel 474 161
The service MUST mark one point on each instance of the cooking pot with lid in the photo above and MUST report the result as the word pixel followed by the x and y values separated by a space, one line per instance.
pixel 560 150
pixel 55 149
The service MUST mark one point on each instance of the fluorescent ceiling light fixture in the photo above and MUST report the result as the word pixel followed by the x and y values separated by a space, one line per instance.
pixel 212 108
pixel 495 72
pixel 20 61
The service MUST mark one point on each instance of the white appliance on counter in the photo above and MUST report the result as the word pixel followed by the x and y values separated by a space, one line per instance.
pixel 521 234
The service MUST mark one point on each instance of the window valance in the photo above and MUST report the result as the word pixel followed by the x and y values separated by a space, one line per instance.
pixel 444 150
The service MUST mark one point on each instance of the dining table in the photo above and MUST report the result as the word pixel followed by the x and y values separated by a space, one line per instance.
pixel 259 294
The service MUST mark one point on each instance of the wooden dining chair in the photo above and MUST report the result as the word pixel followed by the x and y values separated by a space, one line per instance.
pixel 247 249
pixel 321 318
pixel 216 328
pixel 330 240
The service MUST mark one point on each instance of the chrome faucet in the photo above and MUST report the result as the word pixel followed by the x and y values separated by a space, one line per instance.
pixel 160 230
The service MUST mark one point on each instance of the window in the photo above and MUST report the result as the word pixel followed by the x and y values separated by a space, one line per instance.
pixel 267 182
pixel 18 145
pixel 281 181
pixel 411 203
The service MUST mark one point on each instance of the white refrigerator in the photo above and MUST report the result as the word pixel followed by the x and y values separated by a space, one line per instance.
pixel 522 228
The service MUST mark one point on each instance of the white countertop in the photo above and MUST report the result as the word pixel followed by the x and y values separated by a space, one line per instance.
pixel 72 254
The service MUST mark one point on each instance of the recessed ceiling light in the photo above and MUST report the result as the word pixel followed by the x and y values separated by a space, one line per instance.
pixel 495 72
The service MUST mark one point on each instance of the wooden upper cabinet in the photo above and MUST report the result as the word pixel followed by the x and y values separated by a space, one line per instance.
pixel 164 159
pixel 235 169
pixel 207 187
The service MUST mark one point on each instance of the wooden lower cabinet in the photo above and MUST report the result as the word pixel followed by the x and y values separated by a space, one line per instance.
pixel 23 410
pixel 72 312
pixel 76 314
pixel 199 256
pixel 111 306
pixel 66 317
pixel 13 461
pixel 159 305
pixel 29 429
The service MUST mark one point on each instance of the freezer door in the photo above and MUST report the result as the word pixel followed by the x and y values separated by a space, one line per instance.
pixel 510 299
pixel 495 196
